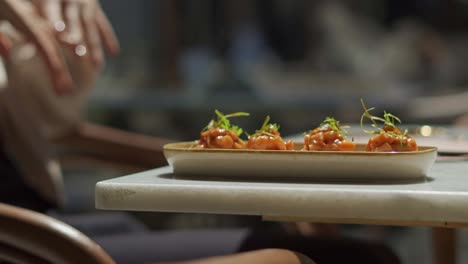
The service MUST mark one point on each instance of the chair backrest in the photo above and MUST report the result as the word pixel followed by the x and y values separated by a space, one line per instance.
pixel 30 237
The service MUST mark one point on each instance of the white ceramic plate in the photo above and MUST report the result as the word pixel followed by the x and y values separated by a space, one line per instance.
pixel 185 159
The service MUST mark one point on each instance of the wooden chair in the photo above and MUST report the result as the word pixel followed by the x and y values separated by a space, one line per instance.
pixel 30 237
pixel 33 238
pixel 93 143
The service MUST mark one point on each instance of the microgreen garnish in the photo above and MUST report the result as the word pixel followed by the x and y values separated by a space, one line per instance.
pixel 333 124
pixel 267 128
pixel 222 121
pixel 387 120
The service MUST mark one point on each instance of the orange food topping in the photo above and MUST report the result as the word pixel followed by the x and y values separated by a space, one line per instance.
pixel 389 137
pixel 219 133
pixel 327 140
pixel 269 141
pixel 394 141
pixel 329 136
pixel 220 138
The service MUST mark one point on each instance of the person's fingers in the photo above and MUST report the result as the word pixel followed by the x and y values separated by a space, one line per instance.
pixel 5 46
pixel 73 34
pixel 106 31
pixel 91 33
pixel 64 16
pixel 36 31
pixel 50 50
pixel 52 11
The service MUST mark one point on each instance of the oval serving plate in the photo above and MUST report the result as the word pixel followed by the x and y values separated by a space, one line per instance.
pixel 186 159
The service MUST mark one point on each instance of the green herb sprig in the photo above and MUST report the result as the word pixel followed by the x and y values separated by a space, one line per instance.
pixel 267 127
pixel 222 121
pixel 387 120
pixel 333 124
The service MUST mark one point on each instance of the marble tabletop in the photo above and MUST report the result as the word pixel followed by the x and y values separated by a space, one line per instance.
pixel 441 199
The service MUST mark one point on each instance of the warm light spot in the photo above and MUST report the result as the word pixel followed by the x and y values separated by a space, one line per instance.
pixel 426 131
pixel 80 50
pixel 59 26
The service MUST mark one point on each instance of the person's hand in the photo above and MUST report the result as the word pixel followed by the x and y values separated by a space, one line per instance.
pixel 81 24
pixel 25 19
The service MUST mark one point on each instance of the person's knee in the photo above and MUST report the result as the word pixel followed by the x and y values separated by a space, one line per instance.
pixel 278 255
pixel 259 256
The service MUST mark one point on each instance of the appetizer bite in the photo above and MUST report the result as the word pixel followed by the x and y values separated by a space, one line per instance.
pixel 220 133
pixel 268 138
pixel 329 136
pixel 388 137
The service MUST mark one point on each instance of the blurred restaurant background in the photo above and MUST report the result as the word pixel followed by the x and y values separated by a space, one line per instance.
pixel 297 61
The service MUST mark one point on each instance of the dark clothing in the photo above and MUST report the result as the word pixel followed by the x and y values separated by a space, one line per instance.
pixel 323 250
pixel 172 245
pixel 180 245
pixel 14 191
